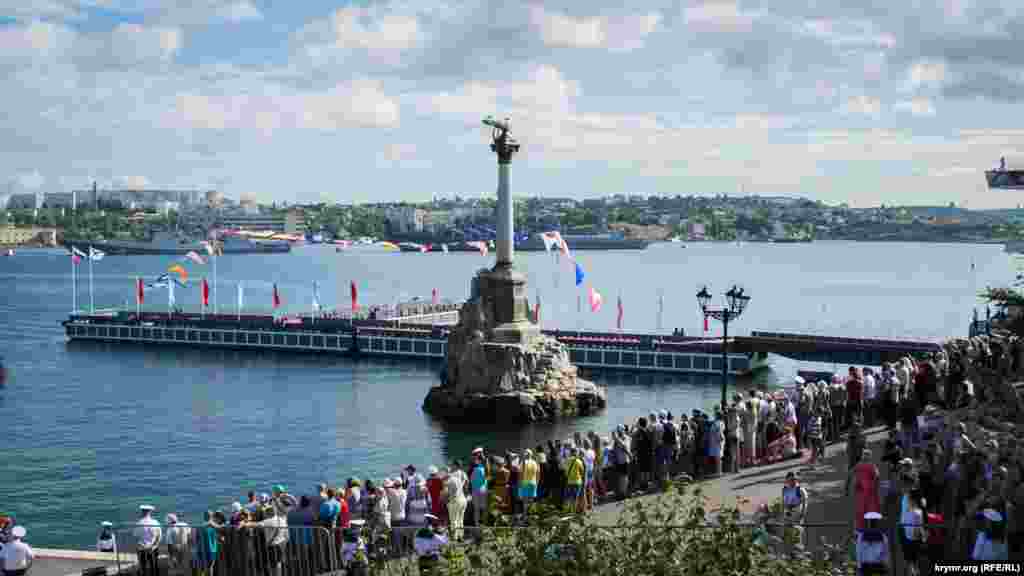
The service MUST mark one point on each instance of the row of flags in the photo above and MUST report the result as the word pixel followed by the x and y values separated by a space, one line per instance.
pixel 553 241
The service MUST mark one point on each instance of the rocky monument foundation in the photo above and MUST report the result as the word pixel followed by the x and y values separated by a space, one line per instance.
pixel 500 367
pixel 507 372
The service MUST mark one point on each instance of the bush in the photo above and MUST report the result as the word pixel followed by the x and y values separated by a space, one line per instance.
pixel 672 534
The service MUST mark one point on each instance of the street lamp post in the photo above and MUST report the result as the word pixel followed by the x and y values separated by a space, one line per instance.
pixel 736 303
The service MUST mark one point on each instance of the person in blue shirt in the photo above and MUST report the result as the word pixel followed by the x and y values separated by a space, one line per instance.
pixel 478 485
pixel 329 509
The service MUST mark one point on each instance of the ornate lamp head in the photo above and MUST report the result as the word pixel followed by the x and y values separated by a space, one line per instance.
pixel 703 298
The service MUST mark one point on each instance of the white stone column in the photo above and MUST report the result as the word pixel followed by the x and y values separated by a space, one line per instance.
pixel 504 243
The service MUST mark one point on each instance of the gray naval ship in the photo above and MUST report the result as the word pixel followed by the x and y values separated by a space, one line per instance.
pixel 165 243
pixel 605 241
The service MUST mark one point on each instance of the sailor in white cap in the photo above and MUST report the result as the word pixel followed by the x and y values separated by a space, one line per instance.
pixel 872 547
pixel 990 545
pixel 147 537
pixel 106 541
pixel 17 556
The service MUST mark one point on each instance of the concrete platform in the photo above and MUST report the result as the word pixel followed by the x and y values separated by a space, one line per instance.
pixel 53 562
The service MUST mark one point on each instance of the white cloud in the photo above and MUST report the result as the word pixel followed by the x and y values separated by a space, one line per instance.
pixel 34 42
pixel 241 11
pixel 383 37
pixel 393 154
pixel 719 17
pixel 561 30
pixel 846 34
pixel 361 102
pixel 136 44
pixel 917 107
pixel 134 182
pixel 617 34
pixel 862 105
pixel 925 74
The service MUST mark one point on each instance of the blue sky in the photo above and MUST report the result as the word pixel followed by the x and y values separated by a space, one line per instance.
pixel 858 102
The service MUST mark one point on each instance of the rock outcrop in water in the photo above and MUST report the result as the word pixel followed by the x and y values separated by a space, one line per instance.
pixel 490 376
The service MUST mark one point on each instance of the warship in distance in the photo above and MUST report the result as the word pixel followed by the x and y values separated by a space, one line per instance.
pixel 166 243
pixel 1003 179
pixel 605 241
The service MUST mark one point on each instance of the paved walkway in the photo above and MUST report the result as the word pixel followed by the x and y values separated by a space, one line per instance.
pixel 825 483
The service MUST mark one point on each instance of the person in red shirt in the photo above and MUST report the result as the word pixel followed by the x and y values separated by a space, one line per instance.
pixel 345 516
pixel 855 396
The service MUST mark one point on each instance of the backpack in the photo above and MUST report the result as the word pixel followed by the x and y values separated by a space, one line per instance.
pixel 669 437
pixel 936 531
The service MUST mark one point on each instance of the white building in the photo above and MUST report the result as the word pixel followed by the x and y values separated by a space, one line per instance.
pixel 405 219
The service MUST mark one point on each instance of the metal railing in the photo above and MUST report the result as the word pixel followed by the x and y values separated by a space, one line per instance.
pixel 569 544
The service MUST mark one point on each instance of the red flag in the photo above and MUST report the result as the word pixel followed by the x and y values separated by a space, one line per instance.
pixel 206 294
pixel 355 295
pixel 277 298
pixel 618 320
pixel 705 323
pixel 139 292
pixel 434 298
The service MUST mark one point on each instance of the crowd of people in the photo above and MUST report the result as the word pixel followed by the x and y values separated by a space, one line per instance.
pixel 955 487
pixel 956 496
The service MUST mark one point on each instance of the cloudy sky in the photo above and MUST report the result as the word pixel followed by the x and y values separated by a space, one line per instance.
pixel 861 102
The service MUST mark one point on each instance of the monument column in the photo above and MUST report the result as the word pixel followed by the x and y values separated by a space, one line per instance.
pixel 502 289
pixel 504 147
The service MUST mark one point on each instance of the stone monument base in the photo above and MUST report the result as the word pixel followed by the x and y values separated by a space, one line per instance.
pixel 501 368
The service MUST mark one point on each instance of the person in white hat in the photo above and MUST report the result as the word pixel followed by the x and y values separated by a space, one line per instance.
pixel 872 547
pixel 177 540
pixel 106 541
pixel 990 544
pixel 17 556
pixel 147 536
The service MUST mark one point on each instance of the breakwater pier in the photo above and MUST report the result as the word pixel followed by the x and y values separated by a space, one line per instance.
pixel 424 334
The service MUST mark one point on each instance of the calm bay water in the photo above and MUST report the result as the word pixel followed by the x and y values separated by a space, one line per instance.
pixel 91 431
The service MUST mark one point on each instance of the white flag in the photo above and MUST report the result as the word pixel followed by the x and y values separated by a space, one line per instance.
pixel 316 296
pixel 170 294
pixel 95 254
pixel 240 301
pixel 78 252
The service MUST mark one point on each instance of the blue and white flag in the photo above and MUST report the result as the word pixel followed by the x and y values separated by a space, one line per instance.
pixel 96 255
pixel 579 274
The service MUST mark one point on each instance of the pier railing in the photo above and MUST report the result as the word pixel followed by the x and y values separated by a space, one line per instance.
pixel 567 546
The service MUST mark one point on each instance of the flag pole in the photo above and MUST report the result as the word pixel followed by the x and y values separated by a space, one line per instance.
pixel 92 300
pixel 579 311
pixel 214 257
pixel 170 296
pixel 138 301
pixel 74 283
pixel 239 302
pixel 202 304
